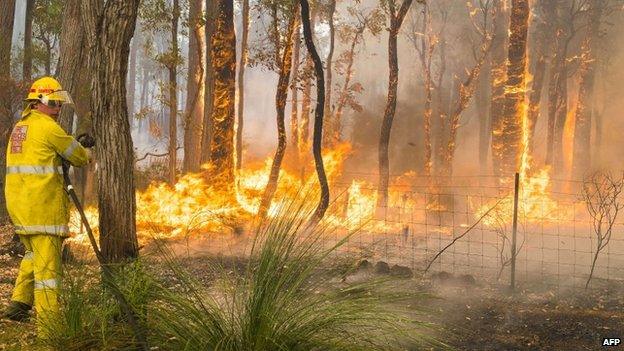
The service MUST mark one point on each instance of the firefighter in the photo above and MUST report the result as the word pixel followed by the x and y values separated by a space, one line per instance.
pixel 35 197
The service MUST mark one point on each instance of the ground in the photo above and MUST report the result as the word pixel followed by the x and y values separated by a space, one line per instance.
pixel 465 315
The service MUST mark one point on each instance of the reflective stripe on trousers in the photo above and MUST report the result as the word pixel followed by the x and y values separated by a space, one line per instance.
pixel 46 284
pixel 34 169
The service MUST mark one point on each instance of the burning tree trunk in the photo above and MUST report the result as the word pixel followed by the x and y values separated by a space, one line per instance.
pixel 515 89
pixel 7 11
pixel 543 33
pixel 195 86
pixel 582 130
pixel 396 20
pixel 224 67
pixel 27 65
pixel 241 85
pixel 285 65
pixel 318 113
pixel 330 137
pixel 207 125
pixel 108 30
pixel 499 52
pixel 172 66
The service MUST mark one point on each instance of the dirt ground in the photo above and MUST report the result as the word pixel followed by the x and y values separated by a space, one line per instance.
pixel 465 315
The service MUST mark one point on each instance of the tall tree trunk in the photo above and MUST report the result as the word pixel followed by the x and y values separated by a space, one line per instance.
pixel 285 65
pixel 27 65
pixel 172 67
pixel 331 135
pixel 515 89
pixel 582 131
pixel 543 33
pixel 194 115
pixel 497 96
pixel 426 51
pixel 294 95
pixel 396 20
pixel 108 30
pixel 207 125
pixel 241 85
pixel 7 12
pixel 224 67
pixel 318 113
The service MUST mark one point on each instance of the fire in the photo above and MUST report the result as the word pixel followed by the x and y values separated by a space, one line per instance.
pixel 196 206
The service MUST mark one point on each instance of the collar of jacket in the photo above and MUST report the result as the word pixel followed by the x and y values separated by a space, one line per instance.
pixel 36 113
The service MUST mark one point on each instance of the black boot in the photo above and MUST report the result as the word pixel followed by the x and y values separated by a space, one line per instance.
pixel 17 311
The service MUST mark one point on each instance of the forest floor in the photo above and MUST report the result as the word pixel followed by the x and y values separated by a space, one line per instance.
pixel 466 316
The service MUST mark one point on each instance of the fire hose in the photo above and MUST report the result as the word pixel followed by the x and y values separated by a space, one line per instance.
pixel 107 274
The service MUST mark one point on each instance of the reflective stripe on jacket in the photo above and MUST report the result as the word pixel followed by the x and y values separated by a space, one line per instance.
pixel 35 198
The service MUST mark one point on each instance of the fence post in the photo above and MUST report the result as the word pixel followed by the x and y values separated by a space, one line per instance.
pixel 514 232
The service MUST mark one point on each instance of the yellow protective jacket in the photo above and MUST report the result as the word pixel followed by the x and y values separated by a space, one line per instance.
pixel 35 196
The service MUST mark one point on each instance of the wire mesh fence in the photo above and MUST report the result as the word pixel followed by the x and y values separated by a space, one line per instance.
pixel 556 241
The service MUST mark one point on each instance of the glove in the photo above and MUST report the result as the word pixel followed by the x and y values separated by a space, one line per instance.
pixel 86 140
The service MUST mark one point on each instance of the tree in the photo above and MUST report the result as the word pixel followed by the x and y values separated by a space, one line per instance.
pixel 498 78
pixel 318 113
pixel 171 62
pixel 601 193
pixel 108 30
pixel 210 27
pixel 47 23
pixel 294 95
pixel 7 11
pixel 515 89
pixel 27 65
pixel 285 14
pixel 396 20
pixel 352 35
pixel 193 124
pixel 582 130
pixel 241 84
pixel 224 69
pixel 329 136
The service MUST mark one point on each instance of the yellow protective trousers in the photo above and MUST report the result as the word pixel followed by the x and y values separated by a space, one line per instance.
pixel 39 277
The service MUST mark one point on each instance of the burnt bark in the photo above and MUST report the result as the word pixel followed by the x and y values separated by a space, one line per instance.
pixel 318 113
pixel 241 85
pixel 108 30
pixel 223 118
pixel 396 20
pixel 285 65
pixel 194 115
pixel 515 89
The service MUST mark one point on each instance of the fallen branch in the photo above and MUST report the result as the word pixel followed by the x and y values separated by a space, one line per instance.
pixel 461 236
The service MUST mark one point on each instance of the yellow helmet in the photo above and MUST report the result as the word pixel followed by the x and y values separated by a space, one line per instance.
pixel 47 90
